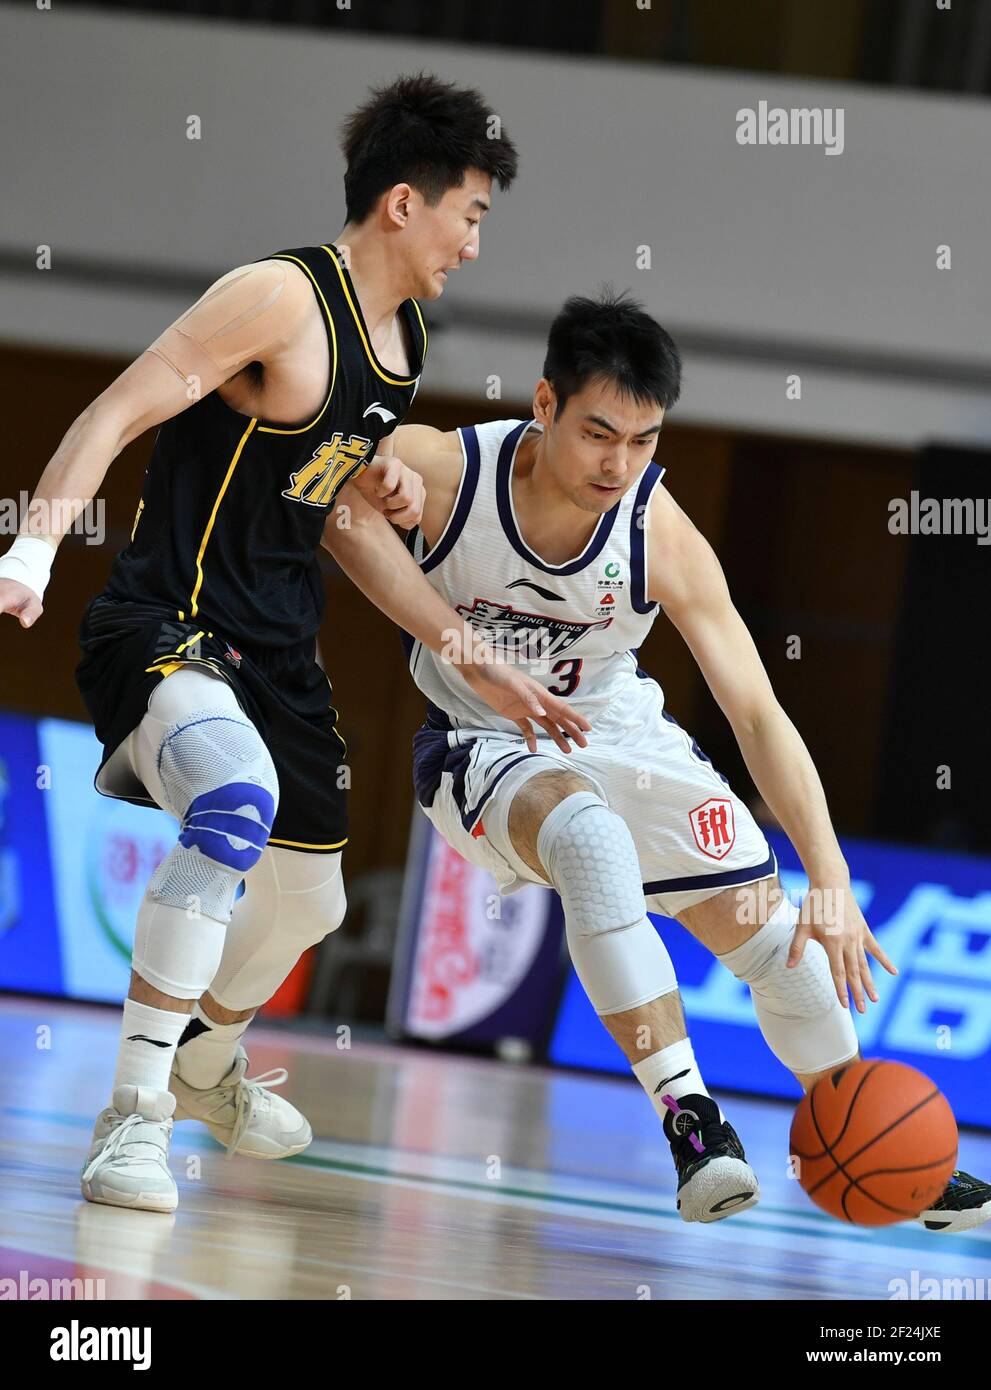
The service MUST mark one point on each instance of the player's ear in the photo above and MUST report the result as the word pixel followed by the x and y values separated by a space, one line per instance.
pixel 544 402
pixel 397 203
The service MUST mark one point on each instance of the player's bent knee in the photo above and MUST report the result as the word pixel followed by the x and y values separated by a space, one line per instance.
pixel 589 854
pixel 533 803
pixel 592 861
pixel 220 781
pixel 301 913
pixel 315 914
pixel 800 1016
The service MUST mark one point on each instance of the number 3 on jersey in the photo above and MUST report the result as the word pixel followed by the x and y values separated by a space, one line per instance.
pixel 570 673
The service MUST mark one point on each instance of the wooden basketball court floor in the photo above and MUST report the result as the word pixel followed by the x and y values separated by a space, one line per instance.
pixel 430 1177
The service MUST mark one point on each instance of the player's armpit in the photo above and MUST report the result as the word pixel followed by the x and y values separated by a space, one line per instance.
pixel 249 315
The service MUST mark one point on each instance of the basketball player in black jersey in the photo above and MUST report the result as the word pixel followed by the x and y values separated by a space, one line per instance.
pixel 277 394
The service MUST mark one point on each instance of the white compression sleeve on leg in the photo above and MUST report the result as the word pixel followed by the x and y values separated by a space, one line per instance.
pixel 589 855
pixel 803 1022
pixel 204 762
pixel 291 901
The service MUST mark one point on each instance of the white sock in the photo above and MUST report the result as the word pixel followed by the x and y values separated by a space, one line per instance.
pixel 207 1055
pixel 148 1039
pixel 671 1072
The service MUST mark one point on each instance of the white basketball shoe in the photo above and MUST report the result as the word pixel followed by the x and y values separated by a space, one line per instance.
pixel 242 1113
pixel 128 1163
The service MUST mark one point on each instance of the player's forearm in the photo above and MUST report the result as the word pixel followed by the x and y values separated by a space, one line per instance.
pixel 785 776
pixel 74 475
pixel 375 559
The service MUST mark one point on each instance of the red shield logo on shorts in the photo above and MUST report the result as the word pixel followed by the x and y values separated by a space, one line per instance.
pixel 713 828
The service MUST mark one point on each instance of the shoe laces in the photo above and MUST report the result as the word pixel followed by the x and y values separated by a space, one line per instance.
pixel 963 1185
pixel 249 1094
pixel 122 1139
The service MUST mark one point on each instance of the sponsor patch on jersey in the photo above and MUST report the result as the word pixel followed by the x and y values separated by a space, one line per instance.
pixel 530 636
pixel 713 826
pixel 610 577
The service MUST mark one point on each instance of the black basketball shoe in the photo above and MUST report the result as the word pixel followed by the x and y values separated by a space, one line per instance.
pixel 965 1203
pixel 714 1178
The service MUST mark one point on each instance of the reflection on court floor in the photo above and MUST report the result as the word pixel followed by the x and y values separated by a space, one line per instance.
pixel 431 1177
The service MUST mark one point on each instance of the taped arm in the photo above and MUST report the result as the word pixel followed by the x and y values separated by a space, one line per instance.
pixel 249 315
pixel 246 316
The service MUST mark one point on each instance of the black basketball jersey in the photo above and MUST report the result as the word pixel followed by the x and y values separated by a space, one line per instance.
pixel 233 508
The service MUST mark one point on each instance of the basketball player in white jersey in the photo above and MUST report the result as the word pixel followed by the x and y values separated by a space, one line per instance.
pixel 558 540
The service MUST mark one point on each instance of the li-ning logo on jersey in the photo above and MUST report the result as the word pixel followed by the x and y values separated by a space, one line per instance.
pixel 537 589
pixel 531 636
pixel 377 408
pixel 333 464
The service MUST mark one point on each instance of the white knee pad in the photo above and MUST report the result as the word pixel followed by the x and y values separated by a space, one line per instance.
pixel 591 859
pixel 291 902
pixel 214 773
pixel 802 1020
pixel 218 777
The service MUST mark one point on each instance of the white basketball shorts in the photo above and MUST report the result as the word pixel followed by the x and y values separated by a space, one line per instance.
pixel 693 835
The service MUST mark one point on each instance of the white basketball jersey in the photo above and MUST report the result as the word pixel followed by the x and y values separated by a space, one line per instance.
pixel 573 627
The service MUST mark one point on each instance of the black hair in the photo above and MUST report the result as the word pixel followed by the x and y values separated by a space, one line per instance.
pixel 424 132
pixel 612 339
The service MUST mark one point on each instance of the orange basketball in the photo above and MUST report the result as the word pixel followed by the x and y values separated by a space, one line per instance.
pixel 873 1143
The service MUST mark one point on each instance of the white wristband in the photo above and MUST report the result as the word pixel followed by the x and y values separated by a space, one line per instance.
pixel 29 562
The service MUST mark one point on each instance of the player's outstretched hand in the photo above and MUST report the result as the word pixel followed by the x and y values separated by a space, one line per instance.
pixel 394 490
pixel 23 603
pixel 517 697
pixel 831 916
